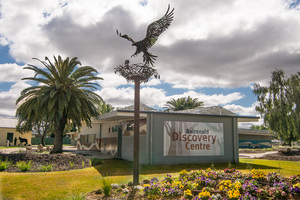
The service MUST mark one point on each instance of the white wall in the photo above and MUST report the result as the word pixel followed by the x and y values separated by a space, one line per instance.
pixel 105 130
pixel 87 130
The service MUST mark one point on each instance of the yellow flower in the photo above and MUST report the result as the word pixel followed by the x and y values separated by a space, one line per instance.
pixel 188 193
pixel 233 194
pixel 204 194
pixel 258 174
pixel 183 173
pixel 225 185
pixel 221 187
pixel 296 185
pixel 237 185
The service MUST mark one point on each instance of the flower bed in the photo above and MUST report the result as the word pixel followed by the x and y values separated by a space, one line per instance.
pixel 211 184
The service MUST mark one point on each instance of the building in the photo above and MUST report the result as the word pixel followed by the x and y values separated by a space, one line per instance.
pixel 9 133
pixel 201 135
pixel 253 138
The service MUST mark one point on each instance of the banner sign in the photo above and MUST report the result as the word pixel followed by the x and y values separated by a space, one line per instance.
pixel 193 139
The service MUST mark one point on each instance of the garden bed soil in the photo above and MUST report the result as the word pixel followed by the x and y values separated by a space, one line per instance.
pixel 285 155
pixel 59 162
pixel 132 195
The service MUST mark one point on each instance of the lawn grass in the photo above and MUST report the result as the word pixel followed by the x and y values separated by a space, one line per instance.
pixel 60 185
pixel 11 147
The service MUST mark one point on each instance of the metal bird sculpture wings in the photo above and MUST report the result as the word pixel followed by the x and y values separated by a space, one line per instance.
pixel 153 31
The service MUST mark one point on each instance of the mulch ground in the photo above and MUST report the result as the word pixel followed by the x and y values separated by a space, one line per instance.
pixel 59 162
pixel 283 155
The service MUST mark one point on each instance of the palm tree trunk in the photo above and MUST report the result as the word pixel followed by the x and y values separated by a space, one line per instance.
pixel 59 126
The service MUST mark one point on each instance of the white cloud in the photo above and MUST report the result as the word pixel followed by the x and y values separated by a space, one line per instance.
pixel 245 111
pixel 8 99
pixel 240 110
pixel 158 97
pixel 210 100
pixel 111 80
pixel 12 72
pixel 153 82
pixel 220 44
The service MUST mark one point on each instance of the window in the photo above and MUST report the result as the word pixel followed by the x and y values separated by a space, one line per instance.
pixel 88 138
pixel 91 138
pixel 83 138
pixel 115 129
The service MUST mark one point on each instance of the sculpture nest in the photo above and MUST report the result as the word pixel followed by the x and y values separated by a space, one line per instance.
pixel 141 72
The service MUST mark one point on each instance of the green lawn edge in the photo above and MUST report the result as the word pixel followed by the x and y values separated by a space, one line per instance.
pixel 61 185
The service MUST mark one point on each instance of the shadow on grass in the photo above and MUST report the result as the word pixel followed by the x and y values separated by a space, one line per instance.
pixel 119 167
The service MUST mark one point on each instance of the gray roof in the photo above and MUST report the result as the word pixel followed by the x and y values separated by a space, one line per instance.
pixel 143 107
pixel 253 131
pixel 127 113
pixel 213 110
pixel 6 122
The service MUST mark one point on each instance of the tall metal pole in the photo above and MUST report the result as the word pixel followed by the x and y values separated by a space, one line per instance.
pixel 136 132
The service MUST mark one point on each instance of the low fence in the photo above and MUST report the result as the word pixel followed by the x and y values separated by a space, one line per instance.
pixel 48 141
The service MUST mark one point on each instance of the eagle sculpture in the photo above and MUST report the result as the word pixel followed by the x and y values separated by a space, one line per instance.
pixel 153 31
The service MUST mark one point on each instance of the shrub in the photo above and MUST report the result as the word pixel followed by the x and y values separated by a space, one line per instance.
pixel 4 165
pixel 130 183
pixel 46 168
pixel 71 164
pixel 77 196
pixel 106 186
pixel 24 166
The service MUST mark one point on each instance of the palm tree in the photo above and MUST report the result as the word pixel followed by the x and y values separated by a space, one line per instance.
pixel 63 94
pixel 183 103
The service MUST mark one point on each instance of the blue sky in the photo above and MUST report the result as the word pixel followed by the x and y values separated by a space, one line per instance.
pixel 213 51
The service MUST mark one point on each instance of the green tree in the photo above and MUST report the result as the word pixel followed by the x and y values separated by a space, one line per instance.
pixel 105 108
pixel 279 105
pixel 42 127
pixel 259 127
pixel 63 95
pixel 183 103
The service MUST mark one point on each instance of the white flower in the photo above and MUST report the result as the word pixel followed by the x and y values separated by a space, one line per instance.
pixel 125 190
pixel 138 187
pixel 115 186
pixel 216 197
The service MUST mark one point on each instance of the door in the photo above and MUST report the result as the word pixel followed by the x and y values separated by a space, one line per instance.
pixel 10 137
